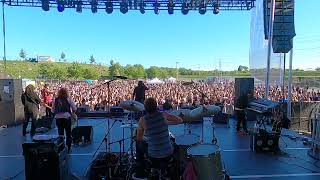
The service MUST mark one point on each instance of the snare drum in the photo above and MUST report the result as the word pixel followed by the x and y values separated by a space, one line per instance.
pixel 183 142
pixel 206 160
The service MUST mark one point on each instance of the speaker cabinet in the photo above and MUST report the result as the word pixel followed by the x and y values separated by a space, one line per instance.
pixel 283 24
pixel 243 86
pixel 265 141
pixel 46 160
pixel 11 107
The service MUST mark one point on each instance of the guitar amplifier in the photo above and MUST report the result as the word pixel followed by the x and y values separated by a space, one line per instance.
pixel 265 141
pixel 46 159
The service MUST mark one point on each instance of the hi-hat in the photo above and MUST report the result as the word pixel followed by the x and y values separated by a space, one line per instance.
pixel 132 105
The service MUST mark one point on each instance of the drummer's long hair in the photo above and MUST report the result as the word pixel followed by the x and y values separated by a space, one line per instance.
pixel 63 93
pixel 150 105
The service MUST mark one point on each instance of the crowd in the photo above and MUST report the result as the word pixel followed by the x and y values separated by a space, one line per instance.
pixel 178 93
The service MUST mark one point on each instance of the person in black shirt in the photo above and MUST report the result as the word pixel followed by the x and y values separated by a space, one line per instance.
pixel 31 102
pixel 240 106
pixel 140 92
pixel 167 105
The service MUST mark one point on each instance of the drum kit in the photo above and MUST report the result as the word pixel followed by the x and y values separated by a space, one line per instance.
pixel 205 157
pixel 191 148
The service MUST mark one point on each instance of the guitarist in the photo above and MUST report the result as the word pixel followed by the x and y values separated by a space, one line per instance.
pixel 47 99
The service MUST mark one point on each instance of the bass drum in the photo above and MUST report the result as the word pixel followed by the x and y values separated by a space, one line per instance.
pixel 182 143
pixel 206 159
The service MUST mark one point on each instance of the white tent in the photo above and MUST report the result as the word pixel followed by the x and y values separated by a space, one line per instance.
pixel 155 81
pixel 172 79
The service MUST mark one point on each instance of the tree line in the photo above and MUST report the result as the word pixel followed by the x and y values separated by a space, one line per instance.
pixel 78 71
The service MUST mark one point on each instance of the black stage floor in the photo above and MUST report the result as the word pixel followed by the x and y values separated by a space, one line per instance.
pixel 240 162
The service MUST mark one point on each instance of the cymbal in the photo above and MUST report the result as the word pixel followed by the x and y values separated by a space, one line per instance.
pixel 202 111
pixel 134 126
pixel 132 105
pixel 183 113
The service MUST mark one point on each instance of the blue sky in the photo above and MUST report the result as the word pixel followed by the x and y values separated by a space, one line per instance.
pixel 195 41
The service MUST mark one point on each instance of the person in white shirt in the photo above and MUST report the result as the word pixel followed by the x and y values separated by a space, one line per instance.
pixel 63 107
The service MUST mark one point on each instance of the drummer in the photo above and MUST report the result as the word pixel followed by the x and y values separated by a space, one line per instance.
pixel 154 127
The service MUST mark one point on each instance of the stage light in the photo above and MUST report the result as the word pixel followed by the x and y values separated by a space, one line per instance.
pixel 79 7
pixel 170 7
pixel 135 4
pixel 216 9
pixel 130 4
pixel 202 8
pixel 156 6
pixel 60 6
pixel 94 6
pixel 142 4
pixel 123 7
pixel 45 5
pixel 184 8
pixel 109 7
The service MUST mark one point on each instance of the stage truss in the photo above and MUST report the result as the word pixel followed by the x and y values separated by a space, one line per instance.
pixel 135 4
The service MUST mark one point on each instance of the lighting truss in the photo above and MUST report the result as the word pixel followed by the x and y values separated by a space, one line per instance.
pixel 193 4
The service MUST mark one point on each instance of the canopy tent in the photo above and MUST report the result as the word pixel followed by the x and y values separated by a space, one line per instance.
pixel 172 79
pixel 155 81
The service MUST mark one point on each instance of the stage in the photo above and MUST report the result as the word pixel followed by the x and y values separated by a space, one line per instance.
pixel 239 161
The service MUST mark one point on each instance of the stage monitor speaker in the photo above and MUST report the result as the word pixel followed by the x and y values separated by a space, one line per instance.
pixel 243 86
pixel 79 132
pixel 11 107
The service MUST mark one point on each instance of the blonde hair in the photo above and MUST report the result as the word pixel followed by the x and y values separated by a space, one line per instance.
pixel 30 88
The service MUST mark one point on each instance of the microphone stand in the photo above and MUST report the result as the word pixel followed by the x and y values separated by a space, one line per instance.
pixel 107 136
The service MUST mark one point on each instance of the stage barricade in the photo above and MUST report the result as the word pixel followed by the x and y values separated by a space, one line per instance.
pixel 302 113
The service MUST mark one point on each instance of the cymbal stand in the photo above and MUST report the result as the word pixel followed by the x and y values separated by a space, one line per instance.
pixel 187 128
pixel 202 129
pixel 214 139
pixel 131 133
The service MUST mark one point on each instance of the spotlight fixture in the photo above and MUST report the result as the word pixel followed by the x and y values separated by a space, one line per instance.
pixel 94 6
pixel 79 7
pixel 60 6
pixel 45 5
pixel 135 4
pixel 156 6
pixel 130 4
pixel 216 9
pixel 109 7
pixel 123 7
pixel 171 7
pixel 142 4
pixel 202 8
pixel 184 8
